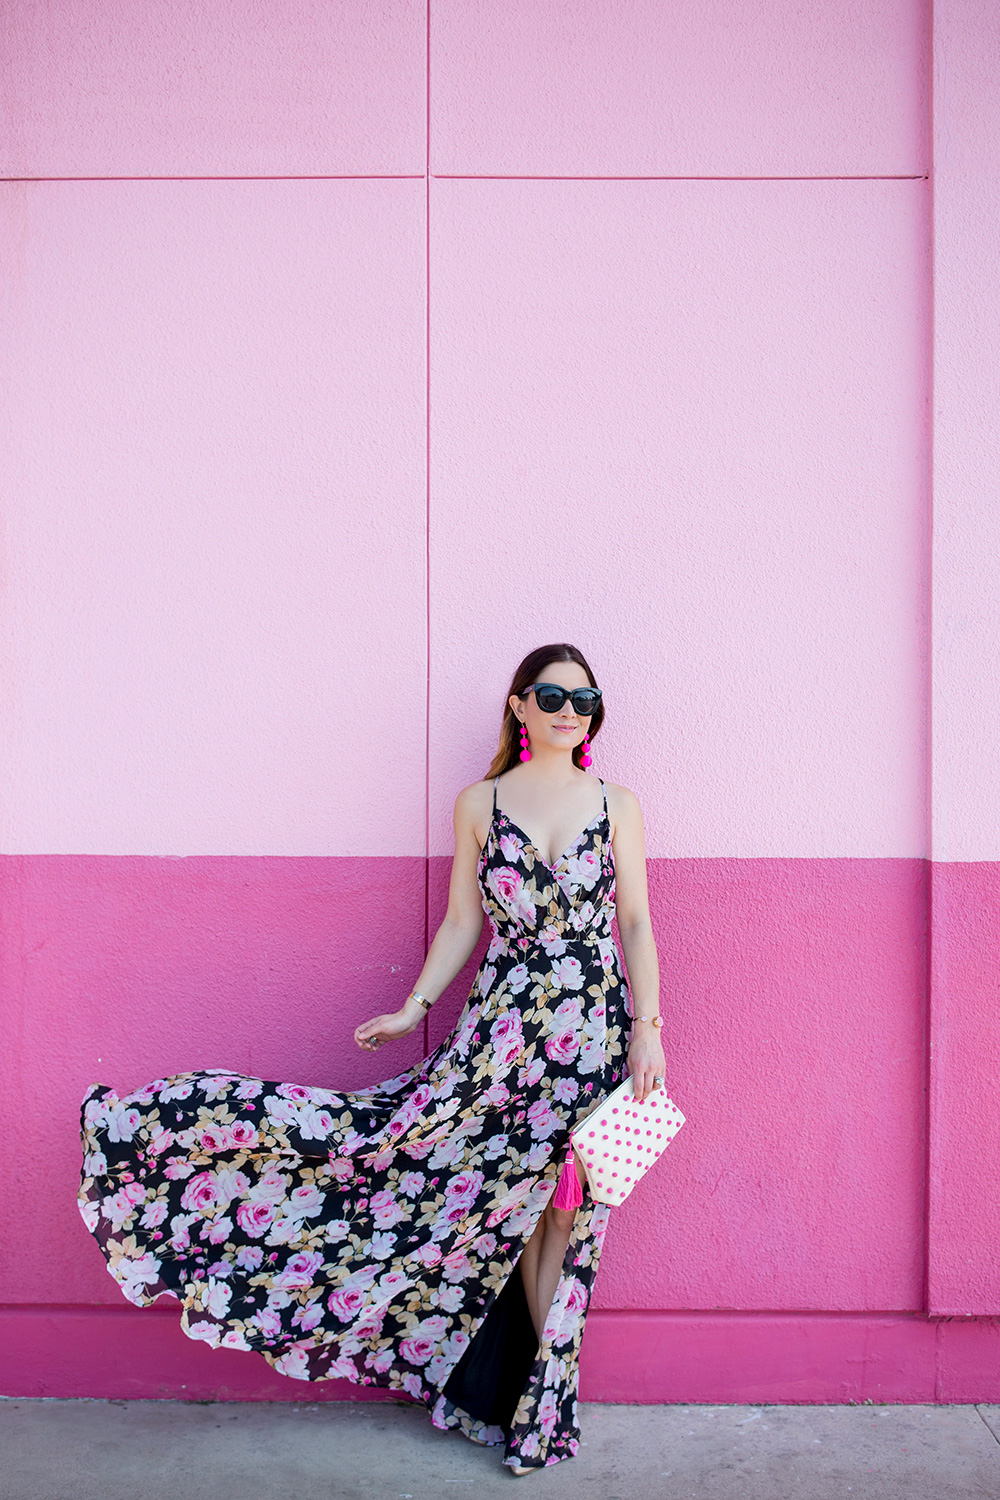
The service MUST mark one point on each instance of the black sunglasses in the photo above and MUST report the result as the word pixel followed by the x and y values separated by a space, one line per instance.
pixel 550 698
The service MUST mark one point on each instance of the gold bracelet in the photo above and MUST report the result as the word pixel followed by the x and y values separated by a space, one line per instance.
pixel 420 999
pixel 656 1020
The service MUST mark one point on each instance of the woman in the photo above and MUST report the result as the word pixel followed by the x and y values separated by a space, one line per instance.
pixel 409 1235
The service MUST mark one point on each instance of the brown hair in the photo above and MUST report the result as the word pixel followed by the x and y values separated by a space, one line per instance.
pixel 531 670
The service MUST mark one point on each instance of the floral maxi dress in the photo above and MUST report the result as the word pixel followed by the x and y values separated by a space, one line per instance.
pixel 374 1235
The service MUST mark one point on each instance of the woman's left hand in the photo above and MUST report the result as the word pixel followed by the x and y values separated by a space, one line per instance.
pixel 646 1060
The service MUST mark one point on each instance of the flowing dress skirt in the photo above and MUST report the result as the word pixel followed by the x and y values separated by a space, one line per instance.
pixel 374 1235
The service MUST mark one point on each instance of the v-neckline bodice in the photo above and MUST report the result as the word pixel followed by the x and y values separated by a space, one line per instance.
pixel 598 817
pixel 534 847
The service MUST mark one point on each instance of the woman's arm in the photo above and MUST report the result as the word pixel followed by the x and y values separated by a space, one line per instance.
pixel 645 1053
pixel 454 940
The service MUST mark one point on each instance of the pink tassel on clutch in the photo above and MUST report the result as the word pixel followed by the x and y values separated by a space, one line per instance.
pixel 568 1194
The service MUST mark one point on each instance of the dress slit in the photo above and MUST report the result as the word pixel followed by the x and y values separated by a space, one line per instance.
pixel 489 1379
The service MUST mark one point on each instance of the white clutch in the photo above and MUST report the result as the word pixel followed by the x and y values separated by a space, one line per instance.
pixel 620 1140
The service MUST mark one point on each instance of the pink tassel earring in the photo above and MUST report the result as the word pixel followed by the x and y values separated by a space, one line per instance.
pixel 585 759
pixel 525 752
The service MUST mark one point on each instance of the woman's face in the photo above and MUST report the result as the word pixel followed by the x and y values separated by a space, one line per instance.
pixel 564 729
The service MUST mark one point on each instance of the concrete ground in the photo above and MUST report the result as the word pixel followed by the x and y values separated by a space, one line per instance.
pixel 169 1450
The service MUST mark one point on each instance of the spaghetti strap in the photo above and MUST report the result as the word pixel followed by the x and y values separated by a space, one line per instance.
pixel 495 780
pixel 605 791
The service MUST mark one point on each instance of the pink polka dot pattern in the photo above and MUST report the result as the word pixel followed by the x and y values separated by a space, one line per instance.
pixel 620 1140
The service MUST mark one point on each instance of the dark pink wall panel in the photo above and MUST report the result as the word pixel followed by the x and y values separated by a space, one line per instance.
pixel 964 1181
pixel 123 1353
pixel 120 970
pixel 794 993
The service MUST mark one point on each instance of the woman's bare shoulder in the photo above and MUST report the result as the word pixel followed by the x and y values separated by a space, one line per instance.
pixel 621 796
pixel 473 810
pixel 623 807
pixel 474 804
pixel 473 798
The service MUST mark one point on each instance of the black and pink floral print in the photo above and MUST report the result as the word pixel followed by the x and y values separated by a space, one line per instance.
pixel 366 1235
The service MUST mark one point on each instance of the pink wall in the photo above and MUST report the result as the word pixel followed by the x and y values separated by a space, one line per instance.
pixel 520 323
pixel 964 1180
pixel 215 470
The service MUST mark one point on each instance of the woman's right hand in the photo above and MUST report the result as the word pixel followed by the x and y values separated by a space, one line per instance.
pixel 372 1034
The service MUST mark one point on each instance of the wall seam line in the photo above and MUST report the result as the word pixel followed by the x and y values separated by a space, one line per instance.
pixel 676 177
pixel 479 176
pixel 237 177
pixel 929 902
pixel 427 503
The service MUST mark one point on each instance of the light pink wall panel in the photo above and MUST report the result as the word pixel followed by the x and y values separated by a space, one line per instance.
pixel 122 970
pixel 123 88
pixel 683 426
pixel 213 418
pixel 966 682
pixel 793 997
pixel 661 87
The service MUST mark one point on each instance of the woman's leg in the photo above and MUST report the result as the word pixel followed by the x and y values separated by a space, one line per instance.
pixel 542 1259
pixel 528 1263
